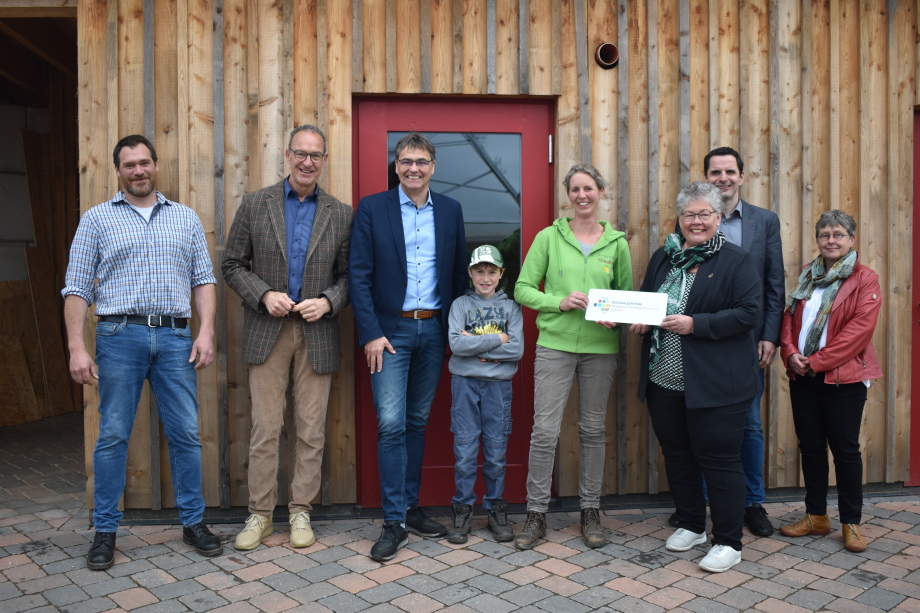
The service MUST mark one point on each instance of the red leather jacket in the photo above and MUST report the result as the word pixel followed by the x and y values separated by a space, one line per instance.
pixel 848 356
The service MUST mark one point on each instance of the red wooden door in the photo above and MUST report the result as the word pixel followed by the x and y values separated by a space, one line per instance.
pixel 494 157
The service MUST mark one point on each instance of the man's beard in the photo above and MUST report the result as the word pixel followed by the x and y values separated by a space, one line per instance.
pixel 132 188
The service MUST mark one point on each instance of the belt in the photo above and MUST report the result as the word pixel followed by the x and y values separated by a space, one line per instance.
pixel 421 313
pixel 151 321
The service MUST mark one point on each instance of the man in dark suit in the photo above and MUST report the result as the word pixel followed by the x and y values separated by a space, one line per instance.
pixel 755 230
pixel 287 258
pixel 407 264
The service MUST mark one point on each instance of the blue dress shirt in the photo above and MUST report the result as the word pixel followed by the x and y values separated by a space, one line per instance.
pixel 421 261
pixel 731 225
pixel 298 224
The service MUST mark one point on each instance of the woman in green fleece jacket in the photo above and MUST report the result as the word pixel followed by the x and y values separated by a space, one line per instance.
pixel 570 257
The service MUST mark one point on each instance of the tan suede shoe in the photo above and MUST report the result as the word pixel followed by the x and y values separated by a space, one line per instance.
pixel 809 525
pixel 852 539
pixel 301 532
pixel 257 528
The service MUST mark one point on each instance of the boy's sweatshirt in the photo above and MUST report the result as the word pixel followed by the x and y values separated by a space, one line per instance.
pixel 482 355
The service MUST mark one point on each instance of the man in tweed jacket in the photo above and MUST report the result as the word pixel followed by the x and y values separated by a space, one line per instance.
pixel 287 258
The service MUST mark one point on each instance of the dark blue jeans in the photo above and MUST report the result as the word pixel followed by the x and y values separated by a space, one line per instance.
pixel 126 355
pixel 480 408
pixel 403 393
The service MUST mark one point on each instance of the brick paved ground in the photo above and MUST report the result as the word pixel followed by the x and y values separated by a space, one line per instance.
pixel 44 537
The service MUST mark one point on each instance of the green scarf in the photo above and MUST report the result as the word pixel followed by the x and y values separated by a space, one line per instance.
pixel 814 276
pixel 675 283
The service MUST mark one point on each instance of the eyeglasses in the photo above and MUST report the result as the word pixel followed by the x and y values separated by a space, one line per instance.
pixel 837 237
pixel 407 163
pixel 301 156
pixel 704 216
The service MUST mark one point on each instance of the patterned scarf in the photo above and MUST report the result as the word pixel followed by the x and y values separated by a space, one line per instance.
pixel 814 276
pixel 675 283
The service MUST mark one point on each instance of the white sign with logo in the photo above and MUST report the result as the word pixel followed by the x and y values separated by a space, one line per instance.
pixel 626 307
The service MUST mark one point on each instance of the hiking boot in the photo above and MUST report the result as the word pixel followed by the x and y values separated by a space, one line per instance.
pixel 817 525
pixel 101 554
pixel 592 533
pixel 534 529
pixel 393 537
pixel 498 521
pixel 852 539
pixel 419 523
pixel 462 523
pixel 257 528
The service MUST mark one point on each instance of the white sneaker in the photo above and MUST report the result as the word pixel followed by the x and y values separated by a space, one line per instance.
pixel 720 558
pixel 684 540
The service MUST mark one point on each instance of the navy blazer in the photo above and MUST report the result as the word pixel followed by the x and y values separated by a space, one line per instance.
pixel 760 237
pixel 377 265
pixel 720 357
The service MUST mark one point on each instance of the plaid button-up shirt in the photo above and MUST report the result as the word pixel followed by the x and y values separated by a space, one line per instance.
pixel 142 268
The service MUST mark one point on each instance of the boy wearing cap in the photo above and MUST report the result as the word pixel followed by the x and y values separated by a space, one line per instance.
pixel 485 332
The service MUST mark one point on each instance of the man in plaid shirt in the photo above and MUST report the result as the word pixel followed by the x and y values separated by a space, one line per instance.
pixel 141 258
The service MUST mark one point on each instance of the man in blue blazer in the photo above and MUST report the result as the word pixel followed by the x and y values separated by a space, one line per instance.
pixel 407 264
pixel 755 230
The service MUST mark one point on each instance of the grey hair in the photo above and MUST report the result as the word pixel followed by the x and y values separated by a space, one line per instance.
pixel 307 128
pixel 589 170
pixel 700 190
pixel 415 140
pixel 836 217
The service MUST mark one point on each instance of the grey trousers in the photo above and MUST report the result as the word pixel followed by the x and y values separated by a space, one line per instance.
pixel 553 372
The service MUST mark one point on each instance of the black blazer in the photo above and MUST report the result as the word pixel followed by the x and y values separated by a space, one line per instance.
pixel 720 357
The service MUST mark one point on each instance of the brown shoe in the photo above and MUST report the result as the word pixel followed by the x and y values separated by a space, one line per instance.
pixel 534 529
pixel 852 539
pixel 592 533
pixel 809 525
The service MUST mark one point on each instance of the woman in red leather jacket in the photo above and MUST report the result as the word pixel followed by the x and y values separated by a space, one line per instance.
pixel 826 345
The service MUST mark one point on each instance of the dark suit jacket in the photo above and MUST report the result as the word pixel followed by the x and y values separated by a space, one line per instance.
pixel 720 357
pixel 377 266
pixel 256 261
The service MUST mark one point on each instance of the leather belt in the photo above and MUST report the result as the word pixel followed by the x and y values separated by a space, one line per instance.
pixel 421 313
pixel 151 321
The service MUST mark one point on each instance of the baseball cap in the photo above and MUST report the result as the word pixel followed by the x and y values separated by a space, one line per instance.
pixel 487 254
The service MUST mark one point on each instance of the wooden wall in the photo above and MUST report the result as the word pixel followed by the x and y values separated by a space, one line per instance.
pixel 818 97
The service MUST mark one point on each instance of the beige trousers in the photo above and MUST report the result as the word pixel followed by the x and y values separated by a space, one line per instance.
pixel 268 384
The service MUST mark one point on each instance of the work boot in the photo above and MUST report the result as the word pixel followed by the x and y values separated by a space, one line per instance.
pixel 462 523
pixel 817 525
pixel 202 539
pixel 498 521
pixel 592 533
pixel 101 553
pixel 301 532
pixel 257 528
pixel 852 539
pixel 534 529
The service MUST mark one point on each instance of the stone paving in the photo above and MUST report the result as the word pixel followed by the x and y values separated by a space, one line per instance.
pixel 44 536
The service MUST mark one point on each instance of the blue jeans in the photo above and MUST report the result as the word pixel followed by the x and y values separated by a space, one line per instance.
pixel 479 408
pixel 403 393
pixel 126 355
pixel 752 452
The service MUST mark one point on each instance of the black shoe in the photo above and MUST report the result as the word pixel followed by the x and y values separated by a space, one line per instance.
pixel 755 518
pixel 672 521
pixel 418 523
pixel 592 532
pixel 498 521
pixel 392 539
pixel 102 552
pixel 462 523
pixel 201 538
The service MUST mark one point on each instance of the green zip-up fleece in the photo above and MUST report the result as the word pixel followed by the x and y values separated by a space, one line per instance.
pixel 556 259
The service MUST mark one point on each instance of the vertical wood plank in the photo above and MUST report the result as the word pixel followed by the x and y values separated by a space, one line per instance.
pixel 304 55
pixel 728 66
pixel 374 37
pixel 475 69
pixel 699 128
pixel 524 44
pixel 131 66
pixel 425 51
pixel 442 47
pixel 540 52
pixel 408 50
pixel 271 105
pixel 754 95
pixel 507 48
pixel 847 56
pixel 668 86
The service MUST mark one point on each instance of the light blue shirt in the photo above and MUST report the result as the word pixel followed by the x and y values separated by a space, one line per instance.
pixel 298 225
pixel 731 225
pixel 421 260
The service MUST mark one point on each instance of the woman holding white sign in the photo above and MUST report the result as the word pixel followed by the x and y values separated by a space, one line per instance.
pixel 570 257
pixel 699 372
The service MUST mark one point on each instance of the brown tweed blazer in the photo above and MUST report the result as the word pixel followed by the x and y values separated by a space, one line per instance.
pixel 256 261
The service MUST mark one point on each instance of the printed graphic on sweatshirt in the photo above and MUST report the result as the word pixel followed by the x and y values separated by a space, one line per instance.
pixel 486 320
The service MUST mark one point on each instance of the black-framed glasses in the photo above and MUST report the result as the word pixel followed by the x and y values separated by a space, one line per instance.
pixel 704 216
pixel 837 236
pixel 407 163
pixel 301 156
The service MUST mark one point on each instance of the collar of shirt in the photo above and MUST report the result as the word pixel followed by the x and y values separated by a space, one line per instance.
pixel 404 199
pixel 731 225
pixel 290 193
pixel 120 198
